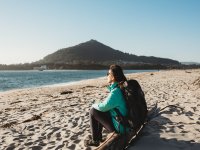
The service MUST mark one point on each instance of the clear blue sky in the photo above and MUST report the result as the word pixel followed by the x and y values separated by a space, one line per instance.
pixel 31 29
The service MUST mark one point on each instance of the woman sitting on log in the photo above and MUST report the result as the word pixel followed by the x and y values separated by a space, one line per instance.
pixel 103 114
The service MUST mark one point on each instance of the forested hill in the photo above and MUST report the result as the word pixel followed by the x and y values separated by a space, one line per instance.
pixel 94 52
pixel 95 55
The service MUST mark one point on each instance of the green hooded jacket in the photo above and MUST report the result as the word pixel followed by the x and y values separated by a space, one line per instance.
pixel 114 100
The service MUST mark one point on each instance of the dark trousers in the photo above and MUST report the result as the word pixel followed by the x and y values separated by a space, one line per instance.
pixel 98 120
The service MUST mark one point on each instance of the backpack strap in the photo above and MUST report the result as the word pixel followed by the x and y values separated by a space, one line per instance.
pixel 121 120
pixel 119 116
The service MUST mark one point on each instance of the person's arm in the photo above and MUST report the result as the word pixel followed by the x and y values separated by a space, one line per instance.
pixel 108 103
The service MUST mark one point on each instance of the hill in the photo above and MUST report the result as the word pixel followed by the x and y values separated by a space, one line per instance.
pixel 95 55
pixel 94 52
pixel 190 63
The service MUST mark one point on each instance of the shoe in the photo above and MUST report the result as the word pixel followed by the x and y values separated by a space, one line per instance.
pixel 90 142
pixel 100 140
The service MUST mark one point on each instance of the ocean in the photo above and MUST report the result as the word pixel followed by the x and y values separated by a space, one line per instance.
pixel 10 80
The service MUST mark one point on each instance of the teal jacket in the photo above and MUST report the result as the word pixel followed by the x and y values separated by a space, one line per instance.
pixel 114 100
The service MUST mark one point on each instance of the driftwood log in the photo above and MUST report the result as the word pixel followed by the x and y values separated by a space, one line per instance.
pixel 116 141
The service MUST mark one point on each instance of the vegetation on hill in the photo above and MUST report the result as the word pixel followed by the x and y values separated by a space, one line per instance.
pixel 94 52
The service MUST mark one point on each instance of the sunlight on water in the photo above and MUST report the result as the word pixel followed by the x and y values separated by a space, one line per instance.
pixel 26 79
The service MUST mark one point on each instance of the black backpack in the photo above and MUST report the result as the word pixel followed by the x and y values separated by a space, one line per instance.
pixel 136 105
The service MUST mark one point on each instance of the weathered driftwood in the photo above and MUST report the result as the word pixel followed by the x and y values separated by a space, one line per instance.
pixel 116 141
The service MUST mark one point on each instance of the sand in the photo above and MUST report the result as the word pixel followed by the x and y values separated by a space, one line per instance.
pixel 58 117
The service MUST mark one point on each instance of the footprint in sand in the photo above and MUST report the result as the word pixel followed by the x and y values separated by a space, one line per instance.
pixel 59 147
pixel 58 137
pixel 42 144
pixel 198 122
pixel 28 144
pixel 52 142
pixel 54 129
pixel 11 146
pixel 73 137
pixel 76 141
pixel 51 147
pixel 72 146
pixel 36 147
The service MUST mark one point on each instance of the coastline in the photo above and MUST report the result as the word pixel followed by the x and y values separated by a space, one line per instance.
pixel 11 80
pixel 65 84
pixel 57 117
pixel 10 83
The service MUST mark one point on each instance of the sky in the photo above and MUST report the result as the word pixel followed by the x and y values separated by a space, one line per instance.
pixel 32 29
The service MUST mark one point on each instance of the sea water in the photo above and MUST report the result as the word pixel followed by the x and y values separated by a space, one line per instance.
pixel 26 79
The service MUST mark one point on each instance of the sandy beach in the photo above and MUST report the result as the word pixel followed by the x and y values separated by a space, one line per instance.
pixel 58 117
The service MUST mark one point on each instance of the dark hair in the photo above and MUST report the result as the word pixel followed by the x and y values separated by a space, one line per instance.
pixel 118 74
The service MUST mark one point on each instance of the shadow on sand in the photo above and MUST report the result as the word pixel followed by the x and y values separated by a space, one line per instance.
pixel 150 137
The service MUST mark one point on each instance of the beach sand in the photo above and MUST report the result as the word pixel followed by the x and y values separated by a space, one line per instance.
pixel 58 117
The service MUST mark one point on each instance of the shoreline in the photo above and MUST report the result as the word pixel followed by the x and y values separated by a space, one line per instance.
pixel 65 83
pixel 57 117
pixel 71 83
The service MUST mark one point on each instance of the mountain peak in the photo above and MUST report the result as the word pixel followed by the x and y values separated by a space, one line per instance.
pixel 92 41
pixel 93 51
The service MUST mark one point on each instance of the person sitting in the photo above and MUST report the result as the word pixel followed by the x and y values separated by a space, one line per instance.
pixel 103 114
